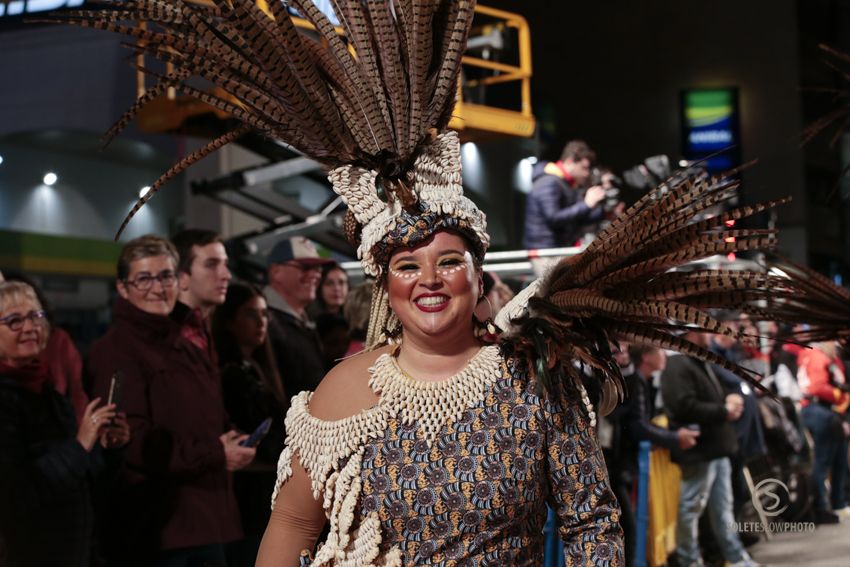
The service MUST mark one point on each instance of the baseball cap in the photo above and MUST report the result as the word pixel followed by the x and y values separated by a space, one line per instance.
pixel 298 249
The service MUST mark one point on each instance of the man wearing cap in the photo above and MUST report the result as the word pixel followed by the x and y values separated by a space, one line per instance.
pixel 294 271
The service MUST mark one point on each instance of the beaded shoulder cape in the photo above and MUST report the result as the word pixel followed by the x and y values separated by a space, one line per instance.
pixel 332 451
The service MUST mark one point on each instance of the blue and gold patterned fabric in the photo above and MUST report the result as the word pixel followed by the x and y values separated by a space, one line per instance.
pixel 477 495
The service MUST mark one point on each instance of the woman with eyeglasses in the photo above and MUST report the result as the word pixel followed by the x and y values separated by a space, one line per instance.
pixel 173 502
pixel 47 462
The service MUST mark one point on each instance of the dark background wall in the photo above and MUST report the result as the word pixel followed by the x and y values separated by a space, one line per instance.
pixel 611 72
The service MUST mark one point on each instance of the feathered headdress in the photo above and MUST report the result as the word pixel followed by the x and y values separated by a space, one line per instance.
pixel 623 287
pixel 372 105
pixel 822 305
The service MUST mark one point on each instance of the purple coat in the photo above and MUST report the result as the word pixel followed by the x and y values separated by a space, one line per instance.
pixel 174 490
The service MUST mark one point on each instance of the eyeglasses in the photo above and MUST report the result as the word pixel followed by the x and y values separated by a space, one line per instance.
pixel 303 266
pixel 144 282
pixel 15 321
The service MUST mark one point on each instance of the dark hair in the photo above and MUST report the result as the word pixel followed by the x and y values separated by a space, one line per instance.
pixel 142 247
pixel 228 350
pixel 326 270
pixel 489 281
pixel 636 352
pixel 357 310
pixel 327 322
pixel 186 239
pixel 577 150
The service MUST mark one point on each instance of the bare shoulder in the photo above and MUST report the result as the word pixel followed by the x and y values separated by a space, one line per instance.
pixel 345 391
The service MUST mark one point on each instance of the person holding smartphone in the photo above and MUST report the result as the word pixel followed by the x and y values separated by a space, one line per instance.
pixel 47 462
pixel 174 502
pixel 253 392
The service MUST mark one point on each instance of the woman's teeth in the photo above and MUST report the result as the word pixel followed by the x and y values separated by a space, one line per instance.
pixel 430 301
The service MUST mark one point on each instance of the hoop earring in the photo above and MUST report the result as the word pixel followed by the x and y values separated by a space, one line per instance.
pixel 486 326
pixel 392 329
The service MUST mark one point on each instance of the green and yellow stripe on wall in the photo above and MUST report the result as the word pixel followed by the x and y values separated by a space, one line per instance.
pixel 66 255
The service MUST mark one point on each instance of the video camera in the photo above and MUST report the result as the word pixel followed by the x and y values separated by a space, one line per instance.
pixel 609 181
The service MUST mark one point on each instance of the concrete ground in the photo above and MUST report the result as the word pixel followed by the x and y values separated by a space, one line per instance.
pixel 827 546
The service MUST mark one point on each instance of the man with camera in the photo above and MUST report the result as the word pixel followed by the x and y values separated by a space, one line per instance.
pixel 558 207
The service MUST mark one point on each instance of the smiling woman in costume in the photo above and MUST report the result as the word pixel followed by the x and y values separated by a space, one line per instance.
pixel 432 447
pixel 437 447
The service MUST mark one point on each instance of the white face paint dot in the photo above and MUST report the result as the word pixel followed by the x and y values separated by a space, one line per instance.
pixel 405 275
pixel 442 272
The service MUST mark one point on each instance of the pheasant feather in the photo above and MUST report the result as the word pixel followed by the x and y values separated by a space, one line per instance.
pixel 368 96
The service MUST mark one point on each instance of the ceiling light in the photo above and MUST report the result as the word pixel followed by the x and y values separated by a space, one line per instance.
pixel 50 179
pixel 144 191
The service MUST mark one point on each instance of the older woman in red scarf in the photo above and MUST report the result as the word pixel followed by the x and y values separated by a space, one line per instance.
pixel 47 462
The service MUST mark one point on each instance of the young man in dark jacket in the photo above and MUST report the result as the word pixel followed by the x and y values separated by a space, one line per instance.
pixel 695 398
pixel 556 208
pixel 202 280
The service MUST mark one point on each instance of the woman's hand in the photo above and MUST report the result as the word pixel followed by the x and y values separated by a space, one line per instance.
pixel 93 422
pixel 236 456
pixel 117 433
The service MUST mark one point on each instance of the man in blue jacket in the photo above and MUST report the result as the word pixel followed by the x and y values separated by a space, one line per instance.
pixel 557 207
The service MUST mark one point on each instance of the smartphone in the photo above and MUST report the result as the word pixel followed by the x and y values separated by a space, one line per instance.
pixel 254 439
pixel 114 396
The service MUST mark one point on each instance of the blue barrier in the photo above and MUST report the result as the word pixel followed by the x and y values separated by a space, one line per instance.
pixel 642 512
pixel 553 552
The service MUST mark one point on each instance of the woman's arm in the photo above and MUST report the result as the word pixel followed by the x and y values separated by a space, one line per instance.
pixel 297 520
pixel 586 507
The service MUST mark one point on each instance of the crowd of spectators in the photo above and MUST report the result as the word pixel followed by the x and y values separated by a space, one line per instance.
pixel 159 470
pixel 168 472
pixel 726 437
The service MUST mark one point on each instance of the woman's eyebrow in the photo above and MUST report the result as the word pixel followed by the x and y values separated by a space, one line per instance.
pixel 441 253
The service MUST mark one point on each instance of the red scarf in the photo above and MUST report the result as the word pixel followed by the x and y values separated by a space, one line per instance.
pixel 30 376
pixel 571 181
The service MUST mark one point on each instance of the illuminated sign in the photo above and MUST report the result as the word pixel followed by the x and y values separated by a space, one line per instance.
pixel 22 7
pixel 709 126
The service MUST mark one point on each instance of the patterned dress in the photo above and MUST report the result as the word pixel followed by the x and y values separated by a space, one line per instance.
pixel 456 472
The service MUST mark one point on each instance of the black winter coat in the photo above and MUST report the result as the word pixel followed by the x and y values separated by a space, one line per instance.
pixel 298 351
pixel 249 402
pixel 637 425
pixel 46 514
pixel 693 397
